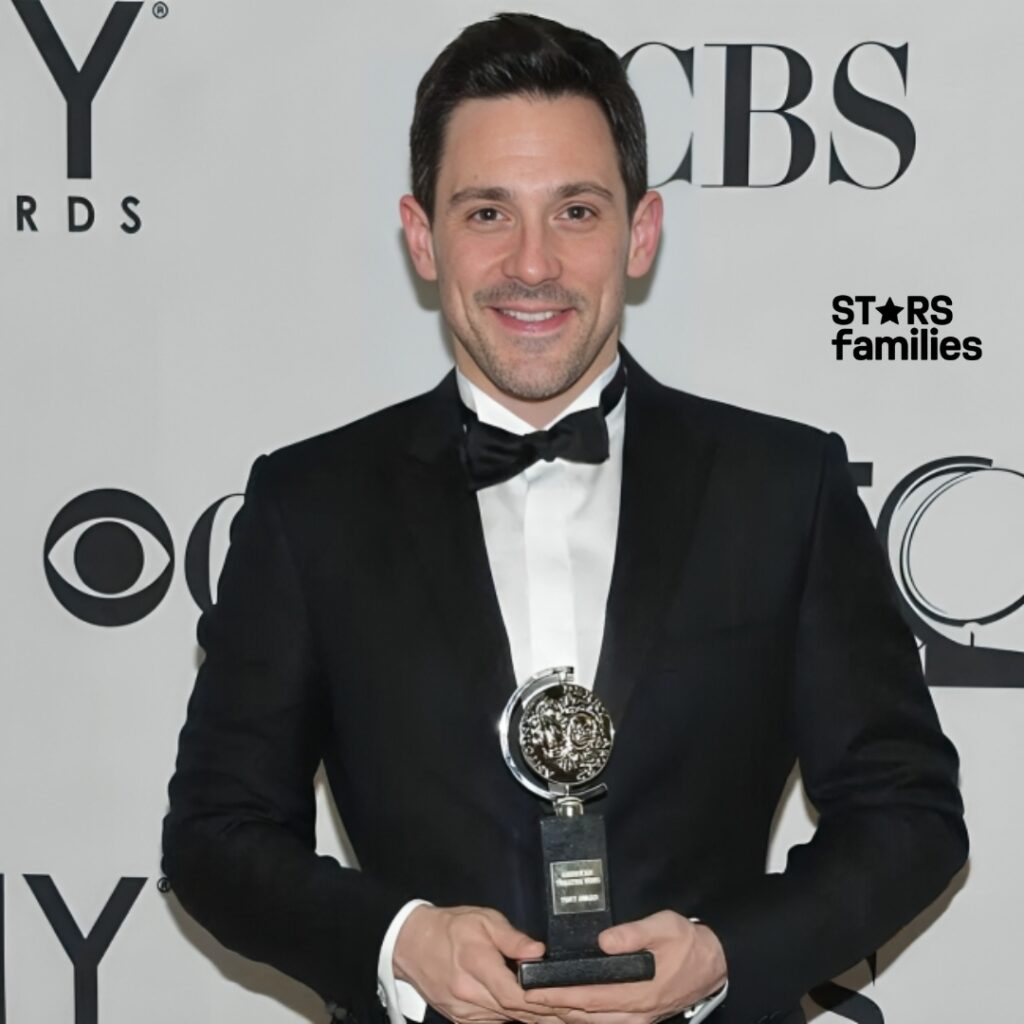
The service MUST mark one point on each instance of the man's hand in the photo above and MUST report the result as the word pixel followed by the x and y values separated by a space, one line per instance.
pixel 689 966
pixel 455 957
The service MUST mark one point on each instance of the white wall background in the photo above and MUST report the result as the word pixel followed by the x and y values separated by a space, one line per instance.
pixel 267 297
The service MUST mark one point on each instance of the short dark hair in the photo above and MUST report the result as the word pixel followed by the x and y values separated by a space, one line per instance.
pixel 523 54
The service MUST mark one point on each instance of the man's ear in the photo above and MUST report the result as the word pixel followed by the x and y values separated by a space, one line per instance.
pixel 644 234
pixel 418 237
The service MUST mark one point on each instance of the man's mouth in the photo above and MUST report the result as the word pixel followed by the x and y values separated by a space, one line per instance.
pixel 522 314
pixel 531 320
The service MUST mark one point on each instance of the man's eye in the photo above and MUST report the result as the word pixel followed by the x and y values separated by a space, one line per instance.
pixel 487 214
pixel 579 213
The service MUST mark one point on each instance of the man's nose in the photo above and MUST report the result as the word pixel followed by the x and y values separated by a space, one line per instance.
pixel 532 257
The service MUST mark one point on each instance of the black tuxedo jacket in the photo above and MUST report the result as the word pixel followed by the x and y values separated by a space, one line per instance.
pixel 752 621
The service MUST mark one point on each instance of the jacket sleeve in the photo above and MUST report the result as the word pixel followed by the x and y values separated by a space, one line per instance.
pixel 239 838
pixel 875 765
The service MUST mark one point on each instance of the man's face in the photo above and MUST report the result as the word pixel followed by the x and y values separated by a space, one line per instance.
pixel 530 242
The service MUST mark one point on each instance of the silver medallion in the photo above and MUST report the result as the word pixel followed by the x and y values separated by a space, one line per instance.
pixel 565 734
pixel 558 733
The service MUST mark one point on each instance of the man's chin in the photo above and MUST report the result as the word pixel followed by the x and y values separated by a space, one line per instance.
pixel 530 367
pixel 536 381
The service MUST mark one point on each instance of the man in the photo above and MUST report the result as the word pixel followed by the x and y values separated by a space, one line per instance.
pixel 710 572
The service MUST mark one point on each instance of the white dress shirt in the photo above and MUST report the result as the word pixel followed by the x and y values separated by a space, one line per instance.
pixel 550 537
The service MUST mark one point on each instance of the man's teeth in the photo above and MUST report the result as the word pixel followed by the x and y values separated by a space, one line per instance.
pixel 519 314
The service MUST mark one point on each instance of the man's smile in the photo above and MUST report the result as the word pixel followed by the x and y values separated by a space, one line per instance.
pixel 531 321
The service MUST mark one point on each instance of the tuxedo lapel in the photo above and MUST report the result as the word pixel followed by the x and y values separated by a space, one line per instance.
pixel 443 519
pixel 666 461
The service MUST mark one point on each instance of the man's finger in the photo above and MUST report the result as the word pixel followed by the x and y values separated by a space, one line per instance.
pixel 506 992
pixel 633 996
pixel 623 1017
pixel 513 943
pixel 485 966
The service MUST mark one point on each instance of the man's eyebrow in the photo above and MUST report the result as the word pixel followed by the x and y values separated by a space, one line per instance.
pixel 494 194
pixel 579 188
pixel 497 193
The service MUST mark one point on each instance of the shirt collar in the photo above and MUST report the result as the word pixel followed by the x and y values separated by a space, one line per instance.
pixel 491 411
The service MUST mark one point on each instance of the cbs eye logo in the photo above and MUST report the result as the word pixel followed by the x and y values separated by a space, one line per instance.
pixel 951 529
pixel 109 557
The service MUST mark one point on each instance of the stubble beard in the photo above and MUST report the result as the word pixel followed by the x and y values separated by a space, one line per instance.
pixel 535 381
pixel 530 383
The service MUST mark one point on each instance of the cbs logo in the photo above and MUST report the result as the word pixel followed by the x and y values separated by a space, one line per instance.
pixel 951 531
pixel 109 556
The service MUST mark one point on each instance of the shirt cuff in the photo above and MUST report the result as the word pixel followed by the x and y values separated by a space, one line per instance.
pixel 398 997
pixel 696 1013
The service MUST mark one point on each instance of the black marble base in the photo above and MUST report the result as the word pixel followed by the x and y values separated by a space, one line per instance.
pixel 586 969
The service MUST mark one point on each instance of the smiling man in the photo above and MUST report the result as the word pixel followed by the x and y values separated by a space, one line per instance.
pixel 709 572
pixel 531 237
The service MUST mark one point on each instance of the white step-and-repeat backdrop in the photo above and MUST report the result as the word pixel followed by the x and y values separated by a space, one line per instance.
pixel 200 260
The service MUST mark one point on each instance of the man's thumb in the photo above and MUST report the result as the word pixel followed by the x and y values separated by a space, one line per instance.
pixel 513 943
pixel 622 938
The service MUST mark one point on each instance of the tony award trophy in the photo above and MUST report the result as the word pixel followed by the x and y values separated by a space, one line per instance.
pixel 559 733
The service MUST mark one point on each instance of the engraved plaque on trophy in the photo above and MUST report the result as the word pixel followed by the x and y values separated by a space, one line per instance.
pixel 556 738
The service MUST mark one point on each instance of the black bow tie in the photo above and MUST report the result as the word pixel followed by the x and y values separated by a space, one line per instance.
pixel 492 455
